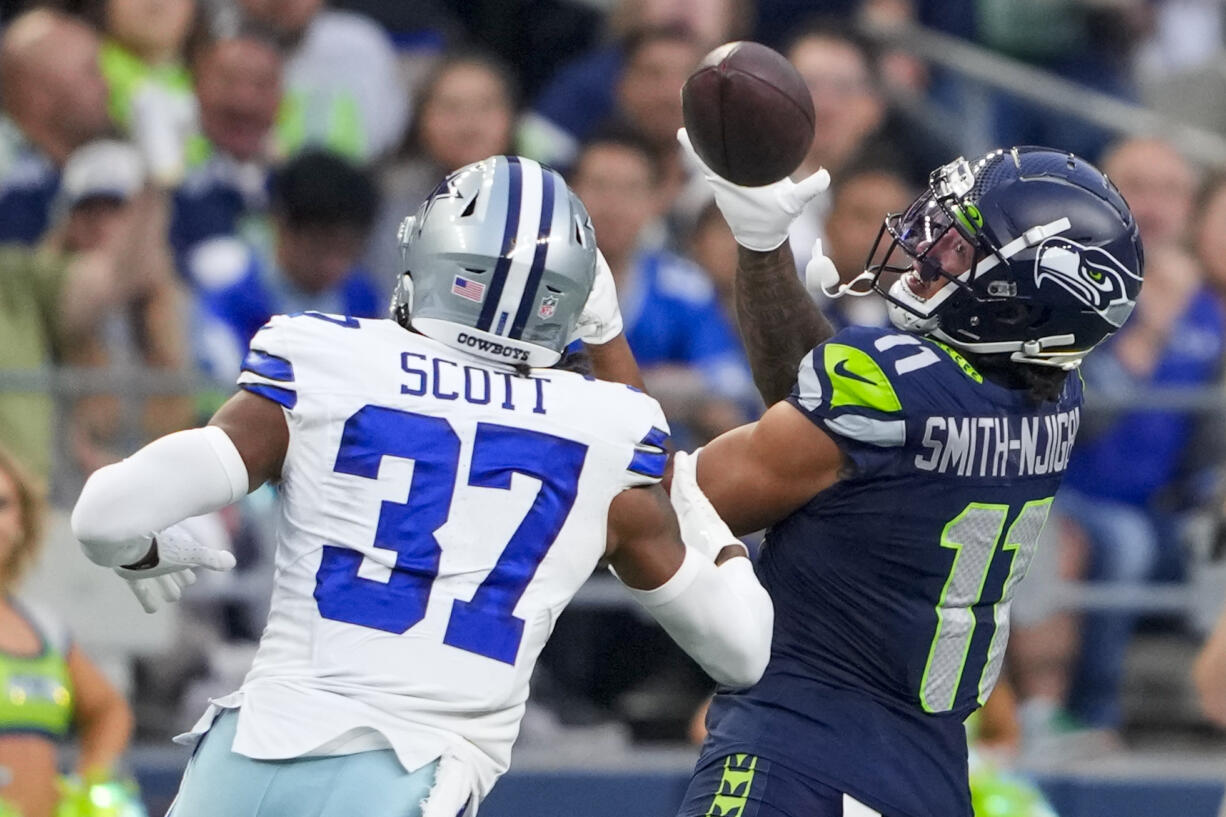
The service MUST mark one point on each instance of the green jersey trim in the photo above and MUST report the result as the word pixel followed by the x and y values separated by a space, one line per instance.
pixel 858 380
pixel 963 364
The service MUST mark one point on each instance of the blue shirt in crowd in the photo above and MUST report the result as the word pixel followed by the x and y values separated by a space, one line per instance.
pixel 239 287
pixel 672 316
pixel 29 181
pixel 214 200
pixel 1140 453
pixel 580 96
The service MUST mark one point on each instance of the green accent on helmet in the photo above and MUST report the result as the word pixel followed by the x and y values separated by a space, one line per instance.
pixel 968 216
pixel 857 380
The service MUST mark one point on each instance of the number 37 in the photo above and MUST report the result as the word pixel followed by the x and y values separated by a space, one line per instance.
pixel 485 625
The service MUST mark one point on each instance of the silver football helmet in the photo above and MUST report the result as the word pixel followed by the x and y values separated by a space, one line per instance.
pixel 498 262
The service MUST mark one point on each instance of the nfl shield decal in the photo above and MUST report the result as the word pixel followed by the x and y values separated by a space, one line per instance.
pixel 549 305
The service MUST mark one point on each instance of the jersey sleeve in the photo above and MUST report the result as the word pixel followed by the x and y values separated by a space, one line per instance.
pixel 648 450
pixel 268 367
pixel 292 354
pixel 847 387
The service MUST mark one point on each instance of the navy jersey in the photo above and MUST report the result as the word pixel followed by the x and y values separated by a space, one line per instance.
pixel 892 587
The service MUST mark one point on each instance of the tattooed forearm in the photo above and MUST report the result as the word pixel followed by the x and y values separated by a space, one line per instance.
pixel 778 320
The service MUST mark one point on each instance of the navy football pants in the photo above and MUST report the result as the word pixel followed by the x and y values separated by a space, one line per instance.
pixel 742 785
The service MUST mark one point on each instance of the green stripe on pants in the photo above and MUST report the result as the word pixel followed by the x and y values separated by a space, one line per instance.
pixel 734 786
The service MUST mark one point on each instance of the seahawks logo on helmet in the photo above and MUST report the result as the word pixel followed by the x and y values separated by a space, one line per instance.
pixel 1091 275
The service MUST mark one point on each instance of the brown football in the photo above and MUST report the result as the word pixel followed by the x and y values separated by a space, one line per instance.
pixel 748 114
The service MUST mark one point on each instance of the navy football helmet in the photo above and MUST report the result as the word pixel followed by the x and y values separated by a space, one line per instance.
pixel 1040 254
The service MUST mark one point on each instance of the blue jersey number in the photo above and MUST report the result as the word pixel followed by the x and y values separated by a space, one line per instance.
pixel 485 625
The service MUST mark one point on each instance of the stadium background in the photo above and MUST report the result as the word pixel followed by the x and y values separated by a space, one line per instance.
pixel 285 141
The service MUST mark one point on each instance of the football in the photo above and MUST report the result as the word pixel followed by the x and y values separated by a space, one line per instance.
pixel 748 114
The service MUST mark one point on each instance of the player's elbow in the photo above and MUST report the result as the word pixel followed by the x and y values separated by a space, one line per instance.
pixel 747 668
pixel 96 523
pixel 721 616
pixel 749 650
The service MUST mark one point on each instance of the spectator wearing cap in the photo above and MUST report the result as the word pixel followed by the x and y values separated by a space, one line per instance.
pixel 103 206
pixel 322 210
pixel 54 102
pixel 343 86
pixel 99 260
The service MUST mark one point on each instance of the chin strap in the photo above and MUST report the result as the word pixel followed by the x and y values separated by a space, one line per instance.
pixel 821 276
pixel 1028 351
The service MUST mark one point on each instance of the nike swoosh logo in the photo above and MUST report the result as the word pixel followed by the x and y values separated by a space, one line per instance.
pixel 840 368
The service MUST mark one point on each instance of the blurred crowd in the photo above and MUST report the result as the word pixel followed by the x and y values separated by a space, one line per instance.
pixel 174 172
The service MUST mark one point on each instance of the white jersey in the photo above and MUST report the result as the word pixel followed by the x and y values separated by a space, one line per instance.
pixel 437 514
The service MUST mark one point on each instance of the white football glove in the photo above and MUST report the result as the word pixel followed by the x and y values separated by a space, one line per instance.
pixel 601 318
pixel 759 216
pixel 178 555
pixel 701 527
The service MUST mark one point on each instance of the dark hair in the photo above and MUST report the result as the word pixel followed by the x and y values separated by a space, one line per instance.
pixel 411 146
pixel 641 38
pixel 223 26
pixel 623 19
pixel 626 137
pixel 832 28
pixel 319 188
pixel 1043 384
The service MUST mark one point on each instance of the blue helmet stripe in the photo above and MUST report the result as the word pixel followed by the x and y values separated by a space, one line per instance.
pixel 528 299
pixel 499 278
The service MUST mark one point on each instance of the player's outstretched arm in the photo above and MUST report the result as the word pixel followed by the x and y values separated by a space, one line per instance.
pixel 601 330
pixel 709 601
pixel 614 361
pixel 759 473
pixel 779 321
pixel 128 513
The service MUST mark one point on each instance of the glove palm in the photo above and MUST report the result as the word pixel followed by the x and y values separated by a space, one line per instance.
pixel 759 217
pixel 178 555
